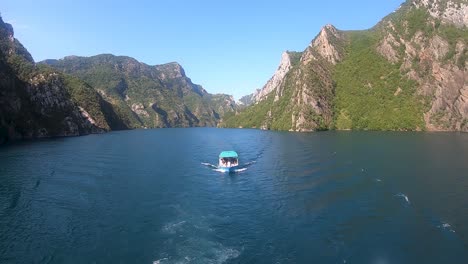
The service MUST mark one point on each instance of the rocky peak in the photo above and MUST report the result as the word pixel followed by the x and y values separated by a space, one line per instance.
pixel 329 28
pixel 171 70
pixel 275 81
pixel 450 11
pixel 10 32
pixel 10 46
pixel 7 32
pixel 325 45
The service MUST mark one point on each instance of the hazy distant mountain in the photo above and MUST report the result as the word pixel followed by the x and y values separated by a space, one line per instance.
pixel 147 96
pixel 406 73
pixel 247 100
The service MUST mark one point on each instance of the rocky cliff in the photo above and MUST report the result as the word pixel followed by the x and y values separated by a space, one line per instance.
pixel 299 95
pixel 406 73
pixel 147 96
pixel 287 60
pixel 37 103
pixel 429 40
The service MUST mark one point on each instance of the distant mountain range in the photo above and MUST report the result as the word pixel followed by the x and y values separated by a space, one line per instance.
pixel 147 96
pixel 80 95
pixel 406 73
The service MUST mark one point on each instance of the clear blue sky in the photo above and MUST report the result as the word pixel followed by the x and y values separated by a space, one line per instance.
pixel 227 46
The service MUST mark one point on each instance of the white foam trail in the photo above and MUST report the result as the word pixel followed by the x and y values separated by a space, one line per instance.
pixel 446 226
pixel 404 196
pixel 236 170
pixel 159 261
pixel 172 228
pixel 225 254
pixel 217 253
pixel 378 180
pixel 216 168
pixel 209 165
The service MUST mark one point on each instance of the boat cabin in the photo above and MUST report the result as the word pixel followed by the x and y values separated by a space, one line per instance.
pixel 228 159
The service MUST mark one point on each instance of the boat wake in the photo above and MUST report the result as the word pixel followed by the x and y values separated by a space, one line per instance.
pixel 216 253
pixel 209 165
pixel 248 163
pixel 446 226
pixel 236 170
pixel 190 240
pixel 241 168
pixel 172 228
pixel 404 197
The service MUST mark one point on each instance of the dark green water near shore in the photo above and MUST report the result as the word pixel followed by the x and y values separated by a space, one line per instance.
pixel 144 196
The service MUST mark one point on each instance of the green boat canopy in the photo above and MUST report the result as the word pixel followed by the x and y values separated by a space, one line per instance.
pixel 228 154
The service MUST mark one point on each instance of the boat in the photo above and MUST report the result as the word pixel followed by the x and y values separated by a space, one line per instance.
pixel 228 161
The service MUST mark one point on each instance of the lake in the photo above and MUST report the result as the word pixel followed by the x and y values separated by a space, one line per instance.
pixel 145 196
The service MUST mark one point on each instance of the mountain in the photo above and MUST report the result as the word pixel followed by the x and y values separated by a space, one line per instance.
pixel 147 96
pixel 78 95
pixel 288 60
pixel 248 100
pixel 37 102
pixel 406 73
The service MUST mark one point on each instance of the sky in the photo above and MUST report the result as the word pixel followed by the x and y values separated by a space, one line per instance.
pixel 227 46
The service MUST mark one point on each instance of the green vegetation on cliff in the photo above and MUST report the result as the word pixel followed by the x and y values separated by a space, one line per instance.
pixel 37 101
pixel 371 93
pixel 266 114
pixel 406 73
pixel 147 96
pixel 252 116
pixel 79 95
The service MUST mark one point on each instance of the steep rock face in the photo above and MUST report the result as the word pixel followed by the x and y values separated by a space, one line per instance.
pixel 147 96
pixel 406 73
pixel 299 96
pixel 288 60
pixel 454 12
pixel 327 45
pixel 278 76
pixel 443 82
pixel 434 55
pixel 315 88
pixel 247 100
pixel 38 103
pixel 40 108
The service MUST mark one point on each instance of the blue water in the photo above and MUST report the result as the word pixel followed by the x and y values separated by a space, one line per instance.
pixel 144 196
